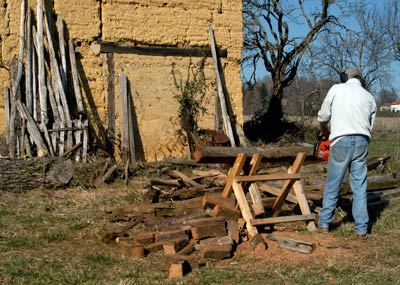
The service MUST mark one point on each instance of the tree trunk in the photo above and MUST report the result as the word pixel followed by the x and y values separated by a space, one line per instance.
pixel 22 175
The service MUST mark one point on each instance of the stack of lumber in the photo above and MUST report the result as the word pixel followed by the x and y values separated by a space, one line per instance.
pixel 44 112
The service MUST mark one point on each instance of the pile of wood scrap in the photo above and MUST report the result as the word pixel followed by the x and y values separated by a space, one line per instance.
pixel 183 231
pixel 178 185
pixel 188 221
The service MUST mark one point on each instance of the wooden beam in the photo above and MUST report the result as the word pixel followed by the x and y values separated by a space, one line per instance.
pixel 233 172
pixel 275 191
pixel 270 155
pixel 258 206
pixel 269 177
pixel 244 208
pixel 283 219
pixel 303 203
pixel 295 168
pixel 154 50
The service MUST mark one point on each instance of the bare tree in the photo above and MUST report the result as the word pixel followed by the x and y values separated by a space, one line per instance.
pixel 389 22
pixel 266 27
pixel 386 96
pixel 365 44
pixel 267 24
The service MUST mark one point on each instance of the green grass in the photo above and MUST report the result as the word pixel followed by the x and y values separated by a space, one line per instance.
pixel 67 250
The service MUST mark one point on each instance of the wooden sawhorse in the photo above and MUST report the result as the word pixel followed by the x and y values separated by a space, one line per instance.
pixel 241 183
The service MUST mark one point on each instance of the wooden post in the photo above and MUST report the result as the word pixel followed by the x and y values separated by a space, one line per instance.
pixel 15 82
pixel 111 100
pixel 41 68
pixel 221 95
pixel 28 64
pixel 58 81
pixel 75 77
pixel 56 115
pixel 85 140
pixel 78 94
pixel 124 116
pixel 13 113
pixel 7 113
pixel 21 49
pixel 34 77
pixel 218 115
pixel 131 135
pixel 63 55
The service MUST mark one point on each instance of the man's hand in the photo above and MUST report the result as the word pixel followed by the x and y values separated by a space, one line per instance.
pixel 324 131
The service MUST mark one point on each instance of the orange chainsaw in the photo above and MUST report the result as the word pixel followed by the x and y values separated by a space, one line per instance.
pixel 321 148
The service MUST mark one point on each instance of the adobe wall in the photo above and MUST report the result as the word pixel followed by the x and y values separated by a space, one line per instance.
pixel 181 23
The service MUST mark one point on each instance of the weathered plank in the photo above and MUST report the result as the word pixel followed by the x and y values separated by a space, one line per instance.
pixel 110 47
pixel 293 244
pixel 283 219
pixel 222 99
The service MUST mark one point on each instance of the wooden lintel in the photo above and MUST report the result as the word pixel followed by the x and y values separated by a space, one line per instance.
pixel 159 50
pixel 283 219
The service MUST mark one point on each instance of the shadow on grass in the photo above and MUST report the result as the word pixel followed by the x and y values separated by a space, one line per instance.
pixel 376 205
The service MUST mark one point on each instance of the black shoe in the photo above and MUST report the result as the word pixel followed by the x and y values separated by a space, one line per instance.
pixel 362 236
pixel 323 230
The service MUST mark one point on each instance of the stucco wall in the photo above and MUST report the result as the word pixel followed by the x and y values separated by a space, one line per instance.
pixel 181 23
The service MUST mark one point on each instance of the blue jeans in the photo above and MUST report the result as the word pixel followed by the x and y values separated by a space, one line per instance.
pixel 350 152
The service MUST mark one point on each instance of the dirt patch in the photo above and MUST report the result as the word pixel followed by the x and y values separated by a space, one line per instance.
pixel 325 247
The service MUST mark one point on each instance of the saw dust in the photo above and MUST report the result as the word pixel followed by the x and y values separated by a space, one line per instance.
pixel 324 246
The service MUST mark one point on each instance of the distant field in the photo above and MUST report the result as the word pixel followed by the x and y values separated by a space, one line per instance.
pixel 385 136
pixel 386 140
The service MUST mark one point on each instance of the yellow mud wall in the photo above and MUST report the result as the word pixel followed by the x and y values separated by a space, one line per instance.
pixel 180 23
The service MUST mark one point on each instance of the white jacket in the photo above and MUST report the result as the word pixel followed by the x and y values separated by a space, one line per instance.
pixel 350 109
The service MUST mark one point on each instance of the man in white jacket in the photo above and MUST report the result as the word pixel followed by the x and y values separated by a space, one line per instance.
pixel 351 110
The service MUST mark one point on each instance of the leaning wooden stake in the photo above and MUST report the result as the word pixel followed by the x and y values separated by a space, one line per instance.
pixel 16 82
pixel 63 56
pixel 78 94
pixel 32 129
pixel 41 67
pixel 124 117
pixel 58 81
pixel 28 64
pixel 7 112
pixel 221 95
